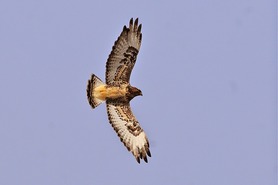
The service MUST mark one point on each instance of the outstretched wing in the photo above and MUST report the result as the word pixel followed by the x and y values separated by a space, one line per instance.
pixel 124 53
pixel 128 129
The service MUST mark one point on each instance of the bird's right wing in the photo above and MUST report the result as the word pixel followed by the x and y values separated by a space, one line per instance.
pixel 128 129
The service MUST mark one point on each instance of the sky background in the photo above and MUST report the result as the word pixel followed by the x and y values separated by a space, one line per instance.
pixel 207 70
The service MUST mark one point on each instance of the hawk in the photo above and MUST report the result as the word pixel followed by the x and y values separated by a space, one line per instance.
pixel 117 91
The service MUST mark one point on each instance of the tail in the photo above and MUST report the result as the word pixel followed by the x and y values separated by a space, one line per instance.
pixel 92 84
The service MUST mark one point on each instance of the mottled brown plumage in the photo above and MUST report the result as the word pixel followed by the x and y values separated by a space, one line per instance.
pixel 117 91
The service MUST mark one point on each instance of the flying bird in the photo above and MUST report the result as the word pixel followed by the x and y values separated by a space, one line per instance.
pixel 117 91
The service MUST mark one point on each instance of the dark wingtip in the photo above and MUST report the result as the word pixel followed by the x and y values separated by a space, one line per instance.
pixel 139 28
pixel 149 153
pixel 141 155
pixel 131 22
pixel 136 22
pixel 124 28
pixel 146 159
pixel 138 159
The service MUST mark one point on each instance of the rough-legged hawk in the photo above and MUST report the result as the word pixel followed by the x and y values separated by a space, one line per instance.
pixel 117 92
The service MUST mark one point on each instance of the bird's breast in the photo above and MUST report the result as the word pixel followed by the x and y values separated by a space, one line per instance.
pixel 104 92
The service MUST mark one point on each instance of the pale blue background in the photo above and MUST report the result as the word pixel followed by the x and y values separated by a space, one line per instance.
pixel 207 70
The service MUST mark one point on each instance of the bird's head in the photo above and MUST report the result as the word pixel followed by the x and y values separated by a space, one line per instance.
pixel 133 91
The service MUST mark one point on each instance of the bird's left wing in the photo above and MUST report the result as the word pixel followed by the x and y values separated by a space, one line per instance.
pixel 124 53
pixel 128 129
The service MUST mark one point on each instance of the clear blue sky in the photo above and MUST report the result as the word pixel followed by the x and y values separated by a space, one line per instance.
pixel 207 70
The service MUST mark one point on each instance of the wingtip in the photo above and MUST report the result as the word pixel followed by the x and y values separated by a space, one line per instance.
pixel 139 28
pixel 149 153
pixel 138 159
pixel 146 159
pixel 136 21
pixel 131 22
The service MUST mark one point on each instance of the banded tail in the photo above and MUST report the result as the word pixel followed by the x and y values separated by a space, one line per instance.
pixel 93 83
